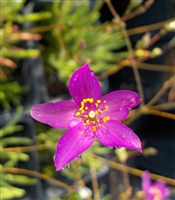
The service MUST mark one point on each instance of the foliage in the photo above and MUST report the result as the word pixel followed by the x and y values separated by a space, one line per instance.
pixel 72 35
pixel 73 42
pixel 10 159
pixel 11 52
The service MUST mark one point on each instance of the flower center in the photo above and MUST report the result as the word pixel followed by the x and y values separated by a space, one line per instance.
pixel 157 193
pixel 90 113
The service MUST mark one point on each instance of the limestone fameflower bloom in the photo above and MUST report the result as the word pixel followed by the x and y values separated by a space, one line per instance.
pixel 154 191
pixel 88 117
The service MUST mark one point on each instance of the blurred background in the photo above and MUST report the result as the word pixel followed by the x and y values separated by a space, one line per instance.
pixel 129 44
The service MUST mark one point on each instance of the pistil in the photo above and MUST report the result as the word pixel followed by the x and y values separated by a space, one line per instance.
pixel 92 115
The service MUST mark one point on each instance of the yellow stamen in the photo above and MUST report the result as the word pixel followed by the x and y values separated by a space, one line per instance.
pixel 96 104
pixel 87 121
pixel 82 104
pixel 99 125
pixel 91 100
pixel 82 111
pixel 94 128
pixel 80 118
pixel 96 112
pixel 80 108
pixel 86 108
pixel 100 111
pixel 104 101
pixel 77 113
pixel 106 107
pixel 80 132
pixel 86 116
pixel 98 101
pixel 107 118
pixel 93 122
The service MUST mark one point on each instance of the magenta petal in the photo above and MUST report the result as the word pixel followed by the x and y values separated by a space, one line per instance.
pixel 119 102
pixel 150 189
pixel 160 185
pixel 57 115
pixel 146 182
pixel 73 143
pixel 84 84
pixel 113 133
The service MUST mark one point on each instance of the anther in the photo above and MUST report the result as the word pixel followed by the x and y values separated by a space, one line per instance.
pixel 100 111
pixel 107 118
pixel 91 100
pixel 106 107
pixel 93 128
pixel 82 104
pixel 87 121
pixel 77 113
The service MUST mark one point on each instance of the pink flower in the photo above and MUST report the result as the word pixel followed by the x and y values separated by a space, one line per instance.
pixel 88 117
pixel 154 191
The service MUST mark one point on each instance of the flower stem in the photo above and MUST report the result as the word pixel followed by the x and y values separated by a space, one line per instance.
pixel 150 27
pixel 130 49
pixel 161 113
pixel 94 179
pixel 134 171
pixel 140 10
pixel 94 183
pixel 164 106
pixel 38 175
pixel 28 148
pixel 154 67
pixel 134 117
pixel 125 176
pixel 161 91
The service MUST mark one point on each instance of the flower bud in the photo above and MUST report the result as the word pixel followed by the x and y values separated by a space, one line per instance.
pixel 156 52
pixel 142 53
pixel 144 42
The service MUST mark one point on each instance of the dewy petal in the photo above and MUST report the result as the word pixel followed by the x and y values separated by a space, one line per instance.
pixel 57 115
pixel 84 84
pixel 119 102
pixel 73 143
pixel 113 133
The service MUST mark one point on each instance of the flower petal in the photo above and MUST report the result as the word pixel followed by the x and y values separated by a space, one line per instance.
pixel 119 102
pixel 160 185
pixel 73 143
pixel 146 182
pixel 57 115
pixel 113 133
pixel 84 84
